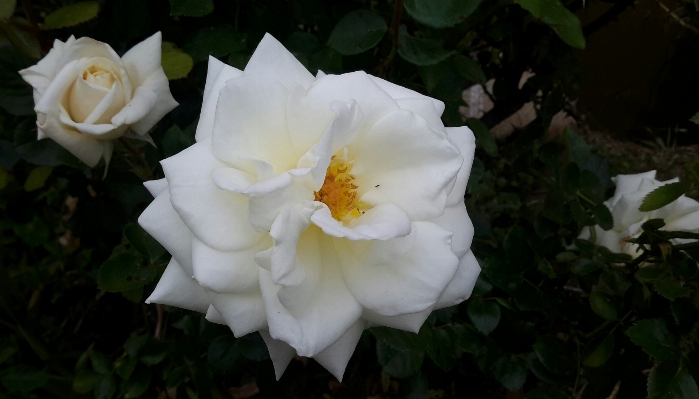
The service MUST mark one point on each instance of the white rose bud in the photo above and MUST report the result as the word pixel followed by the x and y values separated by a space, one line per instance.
pixel 85 95
pixel 680 215
pixel 311 208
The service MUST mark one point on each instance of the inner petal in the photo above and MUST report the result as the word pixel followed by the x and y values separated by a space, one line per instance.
pixel 339 192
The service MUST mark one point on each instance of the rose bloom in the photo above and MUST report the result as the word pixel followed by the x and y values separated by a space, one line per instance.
pixel 311 208
pixel 85 95
pixel 680 215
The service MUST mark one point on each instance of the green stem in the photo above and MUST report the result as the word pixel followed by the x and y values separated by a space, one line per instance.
pixel 395 31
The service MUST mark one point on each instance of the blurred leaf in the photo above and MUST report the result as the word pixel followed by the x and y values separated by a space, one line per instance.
pixel 431 75
pixel 398 363
pixel 468 68
pixel 136 386
pixel 100 362
pixel 357 32
pixel 23 379
pixel 649 273
pixel 598 351
pixel 511 372
pixel 653 225
pixel 655 339
pixel 420 51
pixel 603 217
pixel 106 387
pixel 7 8
pixel 695 118
pixel 546 393
pixel 176 63
pixel 126 367
pixel 22 38
pixel 124 272
pixel 483 137
pixel 441 13
pixel 662 196
pixel 86 381
pixel 555 355
pixel 669 380
pixel 603 305
pixel 134 344
pixel 670 288
pixel 215 41
pixel 485 315
pixel 577 147
pixel 482 286
pixel 48 153
pixel 616 281
pixel 191 8
pixel 501 273
pixel 37 177
pixel 326 60
pixel 554 14
pixel 175 141
pixel 143 242
pixel 71 15
pixel 302 44
pixel 224 355
pixel 34 232
pixel 585 266
pixel 253 347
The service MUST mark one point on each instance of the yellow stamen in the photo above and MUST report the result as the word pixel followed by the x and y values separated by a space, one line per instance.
pixel 338 192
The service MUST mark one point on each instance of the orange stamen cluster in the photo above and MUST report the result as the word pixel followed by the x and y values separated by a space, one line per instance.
pixel 339 192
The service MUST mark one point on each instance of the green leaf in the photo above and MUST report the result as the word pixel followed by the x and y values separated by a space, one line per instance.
pixel 669 380
pixel 511 372
pixel 357 32
pixel 34 232
pixel 420 51
pixel 398 363
pixel 134 344
pixel 554 14
pixel 22 38
pixel 649 273
pixel 655 339
pixel 671 288
pixel 124 272
pixel 662 196
pixel 86 381
pixel 176 63
pixel 485 315
pixel 4 178
pixel 653 225
pixel 326 60
pixel 695 118
pixel 175 141
pixel 106 388
pixel 468 68
pixel 253 347
pixel 37 177
pixel 598 351
pixel 441 13
pixel 143 242
pixel 71 15
pixel 191 8
pixel 100 362
pixel 7 8
pixel 546 393
pixel 555 355
pixel 579 151
pixel 585 266
pixel 125 367
pixel 603 305
pixel 23 379
pixel 136 386
pixel 215 41
pixel 483 137
pixel 224 355
pixel 616 281
pixel 603 217
pixel 501 273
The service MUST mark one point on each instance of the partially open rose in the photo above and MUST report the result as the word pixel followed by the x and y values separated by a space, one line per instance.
pixel 312 208
pixel 85 95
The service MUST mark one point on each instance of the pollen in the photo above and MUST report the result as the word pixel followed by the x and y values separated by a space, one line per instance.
pixel 339 192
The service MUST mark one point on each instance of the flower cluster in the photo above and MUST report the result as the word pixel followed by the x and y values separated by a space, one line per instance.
pixel 311 208
pixel 86 96
pixel 680 215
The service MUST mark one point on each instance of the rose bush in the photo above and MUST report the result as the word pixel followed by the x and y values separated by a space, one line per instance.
pixel 680 215
pixel 85 95
pixel 311 208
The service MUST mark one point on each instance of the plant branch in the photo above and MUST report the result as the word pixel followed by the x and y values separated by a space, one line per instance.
pixel 29 12
pixel 395 32
pixel 159 327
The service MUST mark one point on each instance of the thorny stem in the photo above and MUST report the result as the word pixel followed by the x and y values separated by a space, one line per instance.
pixel 140 158
pixel 395 30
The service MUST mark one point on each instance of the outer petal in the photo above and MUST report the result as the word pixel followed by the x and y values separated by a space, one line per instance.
pixel 337 355
pixel 143 59
pixel 215 216
pixel 214 316
pixel 399 276
pixel 162 222
pixel 142 105
pixel 244 313
pixel 175 288
pixel 465 141
pixel 274 62
pixel 408 322
pixel 156 83
pixel 403 161
pixel 426 109
pixel 216 78
pixel 461 287
pixel 86 148
pixel 382 222
pixel 399 92
pixel 456 220
pixel 156 187
pixel 280 352
pixel 41 74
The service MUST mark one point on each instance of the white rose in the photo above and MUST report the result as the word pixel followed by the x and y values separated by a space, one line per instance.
pixel 680 215
pixel 312 208
pixel 85 95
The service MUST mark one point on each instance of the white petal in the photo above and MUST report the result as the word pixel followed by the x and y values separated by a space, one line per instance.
pixel 465 141
pixel 456 220
pixel 162 222
pixel 404 161
pixel 286 231
pixel 49 102
pixel 426 109
pixel 214 316
pixel 330 312
pixel 86 48
pixel 686 222
pixel 629 183
pixel 625 212
pixel 177 289
pixel 143 103
pixel 215 216
pixel 461 287
pixel 382 222
pixel 407 322
pixel 400 92
pixel 251 122
pixel 86 148
pixel 243 312
pixel 216 77
pixel 84 97
pixel 41 74
pixel 158 84
pixel 104 131
pixel 156 187
pixel 226 272
pixel 610 239
pixel 336 357
pixel 403 275
pixel 306 120
pixel 272 61
pixel 143 59
pixel 280 352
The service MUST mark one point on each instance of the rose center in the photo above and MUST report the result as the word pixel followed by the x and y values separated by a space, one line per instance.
pixel 339 192
pixel 98 76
